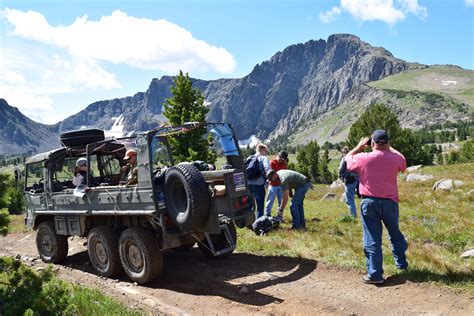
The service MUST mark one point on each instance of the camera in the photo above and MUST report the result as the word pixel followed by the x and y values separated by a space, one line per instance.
pixel 369 142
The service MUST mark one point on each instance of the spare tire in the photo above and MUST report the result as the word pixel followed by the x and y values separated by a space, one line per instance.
pixel 187 197
pixel 81 137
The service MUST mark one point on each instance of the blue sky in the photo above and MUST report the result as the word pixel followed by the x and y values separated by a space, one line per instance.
pixel 59 56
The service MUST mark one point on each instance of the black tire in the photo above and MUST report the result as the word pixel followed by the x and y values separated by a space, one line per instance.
pixel 52 247
pixel 220 242
pixel 102 246
pixel 81 137
pixel 187 197
pixel 140 255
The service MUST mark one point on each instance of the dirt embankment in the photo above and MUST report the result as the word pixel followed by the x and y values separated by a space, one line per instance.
pixel 191 285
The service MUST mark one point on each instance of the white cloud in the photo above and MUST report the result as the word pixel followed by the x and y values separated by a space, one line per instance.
pixel 470 3
pixel 122 39
pixel 29 80
pixel 330 15
pixel 377 10
pixel 412 6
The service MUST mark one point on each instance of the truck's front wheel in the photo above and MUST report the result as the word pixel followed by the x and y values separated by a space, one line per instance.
pixel 102 245
pixel 52 247
pixel 140 255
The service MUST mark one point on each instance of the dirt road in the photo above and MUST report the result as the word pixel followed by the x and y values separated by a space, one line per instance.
pixel 192 285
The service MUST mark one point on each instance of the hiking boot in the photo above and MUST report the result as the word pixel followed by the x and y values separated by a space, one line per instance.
pixel 367 280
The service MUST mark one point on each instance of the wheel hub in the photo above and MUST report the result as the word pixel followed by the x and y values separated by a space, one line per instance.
pixel 135 256
pixel 100 253
pixel 47 243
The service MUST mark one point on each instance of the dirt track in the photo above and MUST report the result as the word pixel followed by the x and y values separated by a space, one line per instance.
pixel 191 285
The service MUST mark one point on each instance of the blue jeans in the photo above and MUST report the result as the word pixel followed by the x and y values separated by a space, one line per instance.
pixel 258 192
pixel 296 206
pixel 374 211
pixel 349 191
pixel 273 192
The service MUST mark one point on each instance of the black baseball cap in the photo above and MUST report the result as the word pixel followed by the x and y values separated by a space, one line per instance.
pixel 284 155
pixel 270 173
pixel 380 136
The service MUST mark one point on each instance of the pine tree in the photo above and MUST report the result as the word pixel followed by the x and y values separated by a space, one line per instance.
pixel 325 176
pixel 308 161
pixel 404 140
pixel 187 105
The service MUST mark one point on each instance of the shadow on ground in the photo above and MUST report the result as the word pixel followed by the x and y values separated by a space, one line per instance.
pixel 191 273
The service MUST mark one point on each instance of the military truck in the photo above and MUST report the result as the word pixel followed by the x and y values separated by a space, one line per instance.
pixel 129 226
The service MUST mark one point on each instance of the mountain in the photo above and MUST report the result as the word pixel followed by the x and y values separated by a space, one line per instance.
pixel 419 97
pixel 307 91
pixel 19 134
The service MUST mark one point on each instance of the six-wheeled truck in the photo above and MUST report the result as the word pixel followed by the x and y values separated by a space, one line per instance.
pixel 128 226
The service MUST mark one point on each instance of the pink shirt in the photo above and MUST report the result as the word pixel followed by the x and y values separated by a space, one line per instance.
pixel 378 172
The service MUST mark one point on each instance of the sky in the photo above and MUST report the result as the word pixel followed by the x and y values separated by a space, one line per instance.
pixel 57 57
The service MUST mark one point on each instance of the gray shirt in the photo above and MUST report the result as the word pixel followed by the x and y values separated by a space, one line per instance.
pixel 291 179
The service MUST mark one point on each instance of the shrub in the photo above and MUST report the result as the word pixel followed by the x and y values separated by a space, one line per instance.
pixel 27 292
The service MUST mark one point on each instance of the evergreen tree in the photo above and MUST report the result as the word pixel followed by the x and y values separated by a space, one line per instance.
pixel 325 176
pixel 376 117
pixel 308 161
pixel 466 152
pixel 380 117
pixel 187 105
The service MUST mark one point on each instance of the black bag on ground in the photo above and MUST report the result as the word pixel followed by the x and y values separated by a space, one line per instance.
pixel 264 224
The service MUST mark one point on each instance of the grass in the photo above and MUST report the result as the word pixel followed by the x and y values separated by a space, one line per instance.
pixel 429 80
pixel 17 224
pixel 93 302
pixel 48 295
pixel 437 225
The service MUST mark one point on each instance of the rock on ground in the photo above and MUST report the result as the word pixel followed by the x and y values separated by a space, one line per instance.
pixel 447 184
pixel 329 196
pixel 413 168
pixel 418 177
pixel 336 184
pixel 468 254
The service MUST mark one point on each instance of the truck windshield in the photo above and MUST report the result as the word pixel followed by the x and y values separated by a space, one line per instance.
pixel 160 153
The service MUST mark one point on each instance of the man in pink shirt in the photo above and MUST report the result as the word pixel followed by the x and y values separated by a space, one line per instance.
pixel 378 171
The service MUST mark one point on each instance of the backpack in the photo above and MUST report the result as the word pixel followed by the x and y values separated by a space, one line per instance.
pixel 252 167
pixel 343 173
pixel 264 224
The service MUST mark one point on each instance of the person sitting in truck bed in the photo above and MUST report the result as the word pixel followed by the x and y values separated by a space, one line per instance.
pixel 129 173
pixel 80 173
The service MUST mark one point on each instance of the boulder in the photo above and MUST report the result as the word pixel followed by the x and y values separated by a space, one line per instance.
pixel 447 184
pixel 413 168
pixel 343 197
pixel 337 184
pixel 468 254
pixel 412 177
pixel 329 196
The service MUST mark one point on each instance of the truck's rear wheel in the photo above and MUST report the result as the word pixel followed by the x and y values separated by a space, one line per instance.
pixel 187 197
pixel 102 245
pixel 140 255
pixel 52 247
pixel 220 242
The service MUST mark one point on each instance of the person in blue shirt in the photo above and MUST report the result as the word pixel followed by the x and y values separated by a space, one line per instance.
pixel 257 186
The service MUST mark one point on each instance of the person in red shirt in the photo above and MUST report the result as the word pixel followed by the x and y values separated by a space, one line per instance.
pixel 274 190
pixel 378 171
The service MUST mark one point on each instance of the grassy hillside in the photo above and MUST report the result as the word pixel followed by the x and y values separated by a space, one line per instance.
pixel 437 225
pixel 420 97
pixel 452 81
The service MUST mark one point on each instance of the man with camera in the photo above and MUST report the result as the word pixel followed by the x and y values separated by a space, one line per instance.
pixel 378 171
